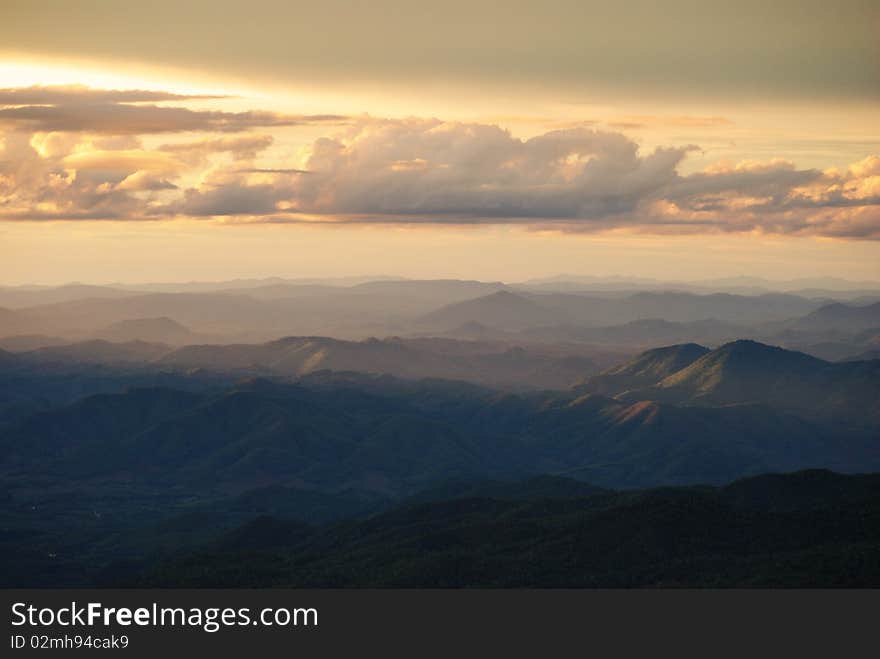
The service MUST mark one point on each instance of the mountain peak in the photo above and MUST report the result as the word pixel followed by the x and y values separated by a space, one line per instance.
pixel 747 349
pixel 661 362
pixel 746 371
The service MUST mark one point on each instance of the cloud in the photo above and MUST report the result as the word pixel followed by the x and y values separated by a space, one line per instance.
pixel 142 181
pixel 122 161
pixel 121 119
pixel 576 179
pixel 120 112
pixel 265 170
pixel 452 170
pixel 427 171
pixel 241 148
pixel 234 198
pixel 81 94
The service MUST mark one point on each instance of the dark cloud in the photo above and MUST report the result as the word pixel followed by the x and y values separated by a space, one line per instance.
pixel 80 94
pixel 121 112
pixel 233 198
pixel 751 50
pixel 121 119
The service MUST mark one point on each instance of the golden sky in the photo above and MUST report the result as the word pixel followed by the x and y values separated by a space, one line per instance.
pixel 483 140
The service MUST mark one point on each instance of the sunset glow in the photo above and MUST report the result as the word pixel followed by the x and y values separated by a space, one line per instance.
pixel 585 174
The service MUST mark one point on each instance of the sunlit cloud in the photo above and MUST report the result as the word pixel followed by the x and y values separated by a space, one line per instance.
pixel 73 152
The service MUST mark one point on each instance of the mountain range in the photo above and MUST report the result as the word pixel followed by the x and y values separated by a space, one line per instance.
pixel 189 435
pixel 453 308
pixel 809 528
pixel 679 415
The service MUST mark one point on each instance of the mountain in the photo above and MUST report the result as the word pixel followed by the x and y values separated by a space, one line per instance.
pixel 265 313
pixel 540 487
pixel 252 435
pixel 473 331
pixel 646 369
pixel 26 296
pixel 99 351
pixel 276 309
pixel 497 364
pixel 437 291
pixel 728 536
pixel 391 437
pixel 502 309
pixel 153 330
pixel 205 311
pixel 648 331
pixel 111 467
pixel 828 287
pixel 8 358
pixel 27 342
pixel 727 308
pixel 14 322
pixel 525 310
pixel 838 316
pixel 29 386
pixel 751 372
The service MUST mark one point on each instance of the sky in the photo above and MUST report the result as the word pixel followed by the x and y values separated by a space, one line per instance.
pixel 171 141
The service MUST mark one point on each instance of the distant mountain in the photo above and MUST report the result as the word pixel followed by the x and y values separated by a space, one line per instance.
pixel 403 307
pixel 497 364
pixel 445 290
pixel 14 322
pixel 154 330
pixel 99 352
pixel 472 330
pixel 520 311
pixel 26 342
pixel 819 287
pixel 832 351
pixel 25 296
pixel 205 311
pixel 649 331
pixel 837 316
pixel 251 284
pixel 502 309
pixel 265 313
pixel 727 308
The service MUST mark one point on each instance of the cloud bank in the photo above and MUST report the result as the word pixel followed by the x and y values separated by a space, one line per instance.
pixel 77 155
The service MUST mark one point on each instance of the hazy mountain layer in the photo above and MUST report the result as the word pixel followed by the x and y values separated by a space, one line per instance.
pixel 727 414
